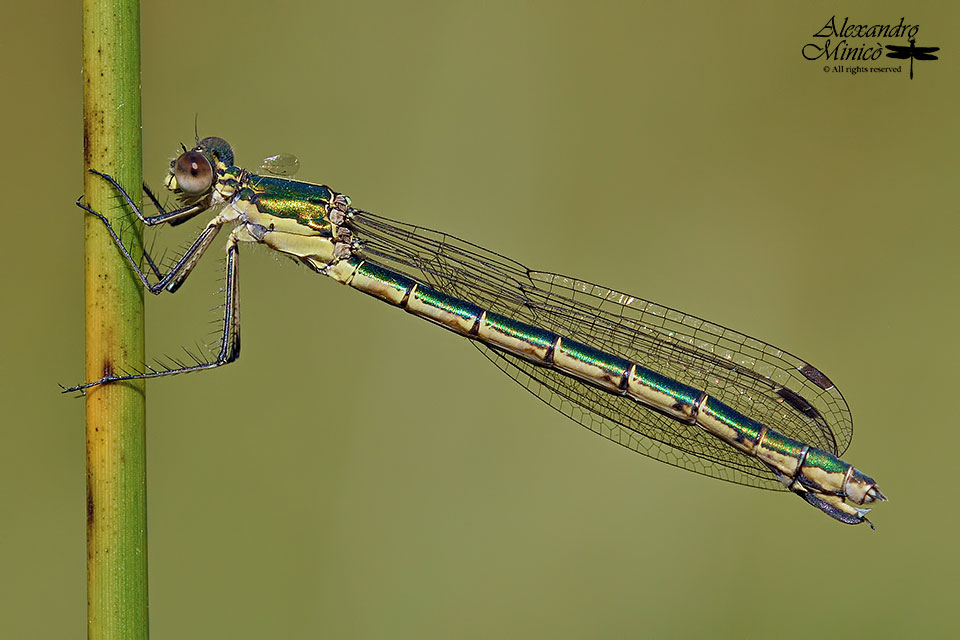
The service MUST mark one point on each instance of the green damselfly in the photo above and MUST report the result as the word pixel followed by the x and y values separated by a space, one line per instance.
pixel 661 382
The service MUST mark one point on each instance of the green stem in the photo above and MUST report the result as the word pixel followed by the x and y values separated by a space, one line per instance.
pixel 116 453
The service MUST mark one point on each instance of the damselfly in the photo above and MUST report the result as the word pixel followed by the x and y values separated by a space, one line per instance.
pixel 661 382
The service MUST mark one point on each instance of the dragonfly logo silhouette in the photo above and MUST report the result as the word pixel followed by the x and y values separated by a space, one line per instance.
pixel 912 52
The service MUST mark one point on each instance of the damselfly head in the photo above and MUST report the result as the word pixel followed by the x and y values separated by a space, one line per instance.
pixel 193 172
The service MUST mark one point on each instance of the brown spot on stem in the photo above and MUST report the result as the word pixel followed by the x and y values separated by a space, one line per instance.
pixel 90 510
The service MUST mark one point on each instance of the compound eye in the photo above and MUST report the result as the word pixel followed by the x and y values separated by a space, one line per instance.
pixel 193 173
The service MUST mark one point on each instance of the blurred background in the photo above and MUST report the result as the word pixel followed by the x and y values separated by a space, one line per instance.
pixel 696 158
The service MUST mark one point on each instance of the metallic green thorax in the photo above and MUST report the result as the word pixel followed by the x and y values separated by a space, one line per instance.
pixel 307 203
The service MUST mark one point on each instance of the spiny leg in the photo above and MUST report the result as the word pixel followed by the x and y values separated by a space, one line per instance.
pixel 183 267
pixel 179 216
pixel 146 254
pixel 172 217
pixel 229 340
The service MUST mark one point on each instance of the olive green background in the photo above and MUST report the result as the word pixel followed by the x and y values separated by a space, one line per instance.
pixel 362 474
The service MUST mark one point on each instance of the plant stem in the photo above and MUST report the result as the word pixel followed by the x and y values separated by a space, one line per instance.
pixel 116 453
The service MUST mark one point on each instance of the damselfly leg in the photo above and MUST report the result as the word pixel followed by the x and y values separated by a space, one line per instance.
pixel 175 277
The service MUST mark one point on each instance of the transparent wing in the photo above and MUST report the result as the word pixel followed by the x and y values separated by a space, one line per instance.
pixel 762 381
pixel 282 164
pixel 630 424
